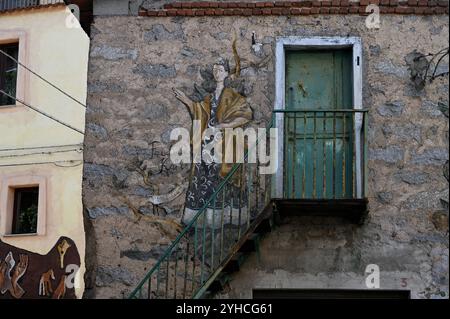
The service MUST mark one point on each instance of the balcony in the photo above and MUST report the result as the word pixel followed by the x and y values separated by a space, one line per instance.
pixel 324 162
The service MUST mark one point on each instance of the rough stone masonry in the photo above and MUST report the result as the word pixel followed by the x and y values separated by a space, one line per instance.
pixel 134 64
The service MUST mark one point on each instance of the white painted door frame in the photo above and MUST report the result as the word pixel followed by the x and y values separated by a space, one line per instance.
pixel 301 43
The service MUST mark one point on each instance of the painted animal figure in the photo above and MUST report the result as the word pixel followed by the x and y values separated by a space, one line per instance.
pixel 45 284
pixel 60 291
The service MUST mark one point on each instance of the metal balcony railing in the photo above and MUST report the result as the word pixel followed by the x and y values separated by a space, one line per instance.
pixel 20 4
pixel 197 256
pixel 325 153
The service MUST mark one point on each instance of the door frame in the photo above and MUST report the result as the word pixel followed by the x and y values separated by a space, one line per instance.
pixel 304 43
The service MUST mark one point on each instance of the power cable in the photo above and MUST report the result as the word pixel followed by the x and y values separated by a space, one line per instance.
pixel 42 113
pixel 42 78
pixel 38 147
pixel 57 163
pixel 42 153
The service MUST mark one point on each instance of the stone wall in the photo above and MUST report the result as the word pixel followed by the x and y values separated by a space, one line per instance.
pixel 134 64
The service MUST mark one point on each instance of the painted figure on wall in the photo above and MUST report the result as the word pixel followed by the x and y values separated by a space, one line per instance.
pixel 25 274
pixel 219 105
pixel 10 282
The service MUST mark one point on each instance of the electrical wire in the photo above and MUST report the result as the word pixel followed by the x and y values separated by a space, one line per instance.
pixel 56 163
pixel 42 78
pixel 79 150
pixel 69 166
pixel 43 113
pixel 38 147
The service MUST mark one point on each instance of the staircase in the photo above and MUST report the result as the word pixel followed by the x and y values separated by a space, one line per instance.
pixel 217 239
pixel 246 245
pixel 214 243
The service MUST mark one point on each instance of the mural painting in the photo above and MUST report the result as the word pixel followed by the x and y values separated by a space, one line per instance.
pixel 24 274
pixel 218 104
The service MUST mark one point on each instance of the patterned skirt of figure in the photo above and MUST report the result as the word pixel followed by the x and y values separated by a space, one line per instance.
pixel 230 204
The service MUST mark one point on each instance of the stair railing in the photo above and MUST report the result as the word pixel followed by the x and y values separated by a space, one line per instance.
pixel 188 265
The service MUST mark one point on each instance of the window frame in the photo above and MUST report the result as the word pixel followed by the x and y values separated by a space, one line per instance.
pixel 22 81
pixel 4 67
pixel 7 192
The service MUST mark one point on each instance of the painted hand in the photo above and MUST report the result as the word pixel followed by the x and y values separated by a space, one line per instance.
pixel 20 268
pixel 182 97
pixel 18 272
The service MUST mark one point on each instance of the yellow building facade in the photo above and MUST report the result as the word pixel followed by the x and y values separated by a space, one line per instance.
pixel 42 150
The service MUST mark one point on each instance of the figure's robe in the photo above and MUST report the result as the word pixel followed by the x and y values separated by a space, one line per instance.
pixel 231 105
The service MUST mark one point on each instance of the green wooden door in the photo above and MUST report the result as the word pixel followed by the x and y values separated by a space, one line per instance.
pixel 318 141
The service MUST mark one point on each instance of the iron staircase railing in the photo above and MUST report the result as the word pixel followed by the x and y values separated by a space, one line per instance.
pixel 195 258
